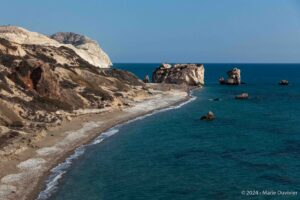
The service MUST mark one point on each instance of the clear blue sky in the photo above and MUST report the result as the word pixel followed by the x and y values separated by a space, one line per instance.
pixel 171 30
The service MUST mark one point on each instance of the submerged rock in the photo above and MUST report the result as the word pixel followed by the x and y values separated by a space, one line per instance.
pixel 189 74
pixel 234 77
pixel 209 116
pixel 242 96
pixel 283 82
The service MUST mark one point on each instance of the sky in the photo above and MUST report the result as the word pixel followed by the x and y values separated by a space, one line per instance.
pixel 203 31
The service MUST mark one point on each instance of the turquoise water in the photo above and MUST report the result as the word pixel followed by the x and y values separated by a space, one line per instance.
pixel 252 145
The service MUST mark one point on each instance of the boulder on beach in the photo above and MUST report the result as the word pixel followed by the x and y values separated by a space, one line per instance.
pixel 208 117
pixel 283 82
pixel 242 96
pixel 234 77
pixel 188 74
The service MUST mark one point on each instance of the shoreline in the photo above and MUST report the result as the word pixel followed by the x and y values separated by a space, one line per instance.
pixel 94 141
pixel 29 178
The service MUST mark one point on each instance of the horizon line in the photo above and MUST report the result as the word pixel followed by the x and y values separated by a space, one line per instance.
pixel 206 62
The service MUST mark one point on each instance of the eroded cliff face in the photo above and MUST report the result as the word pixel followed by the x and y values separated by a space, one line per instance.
pixel 94 53
pixel 84 47
pixel 189 74
pixel 41 85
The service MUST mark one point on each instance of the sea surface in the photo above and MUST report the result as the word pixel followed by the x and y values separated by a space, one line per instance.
pixel 252 146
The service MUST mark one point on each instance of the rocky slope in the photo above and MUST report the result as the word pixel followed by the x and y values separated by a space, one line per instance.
pixel 84 47
pixel 97 56
pixel 189 74
pixel 42 84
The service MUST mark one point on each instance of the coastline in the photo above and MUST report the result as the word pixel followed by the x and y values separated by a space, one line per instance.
pixel 61 142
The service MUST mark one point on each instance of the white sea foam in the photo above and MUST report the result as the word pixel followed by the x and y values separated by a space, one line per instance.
pixel 105 135
pixel 59 170
pixel 57 173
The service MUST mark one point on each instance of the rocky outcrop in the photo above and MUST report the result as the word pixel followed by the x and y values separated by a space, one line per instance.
pixel 95 54
pixel 85 48
pixel 208 117
pixel 284 82
pixel 42 84
pixel 189 74
pixel 234 77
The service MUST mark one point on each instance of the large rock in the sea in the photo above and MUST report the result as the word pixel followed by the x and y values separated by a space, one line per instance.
pixel 85 48
pixel 234 77
pixel 189 74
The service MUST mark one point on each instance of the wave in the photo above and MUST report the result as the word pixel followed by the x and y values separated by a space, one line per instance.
pixel 58 171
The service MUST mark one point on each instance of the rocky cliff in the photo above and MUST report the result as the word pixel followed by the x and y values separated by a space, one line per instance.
pixel 43 83
pixel 84 47
pixel 189 74
pixel 94 53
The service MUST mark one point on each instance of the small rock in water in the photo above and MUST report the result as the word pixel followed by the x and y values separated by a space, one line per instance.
pixel 242 96
pixel 217 99
pixel 209 116
pixel 283 82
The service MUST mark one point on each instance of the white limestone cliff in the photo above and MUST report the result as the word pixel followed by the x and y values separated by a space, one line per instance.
pixel 87 49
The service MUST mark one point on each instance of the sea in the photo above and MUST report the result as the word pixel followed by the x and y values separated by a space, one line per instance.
pixel 250 151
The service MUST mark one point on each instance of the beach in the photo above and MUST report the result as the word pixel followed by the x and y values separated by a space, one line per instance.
pixel 24 177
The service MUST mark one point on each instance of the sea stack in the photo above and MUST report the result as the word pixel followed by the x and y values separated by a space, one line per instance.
pixel 188 74
pixel 234 77
pixel 284 82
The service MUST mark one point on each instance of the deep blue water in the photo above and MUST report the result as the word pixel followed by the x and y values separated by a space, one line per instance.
pixel 252 144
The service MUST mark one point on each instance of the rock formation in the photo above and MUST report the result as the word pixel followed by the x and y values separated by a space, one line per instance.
pixel 43 82
pixel 234 77
pixel 87 49
pixel 283 82
pixel 189 74
pixel 95 54
pixel 209 116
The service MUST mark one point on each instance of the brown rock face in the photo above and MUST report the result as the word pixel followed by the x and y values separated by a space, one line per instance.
pixel 189 74
pixel 234 77
pixel 33 80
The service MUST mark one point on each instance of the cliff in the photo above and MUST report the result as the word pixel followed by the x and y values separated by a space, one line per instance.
pixel 43 83
pixel 188 74
pixel 84 47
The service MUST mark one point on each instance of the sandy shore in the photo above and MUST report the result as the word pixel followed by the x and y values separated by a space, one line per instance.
pixel 24 177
